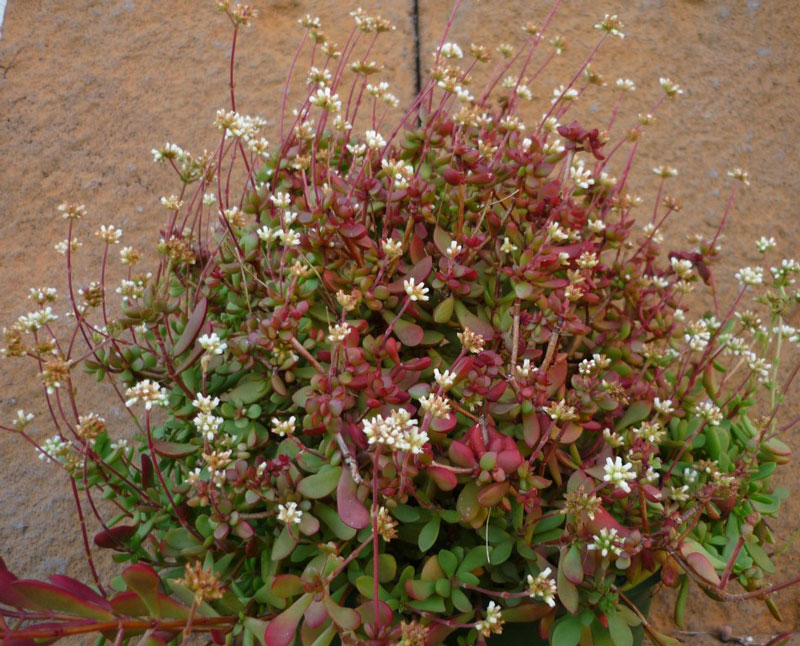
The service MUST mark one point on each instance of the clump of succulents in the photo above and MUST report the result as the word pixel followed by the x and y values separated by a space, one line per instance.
pixel 409 383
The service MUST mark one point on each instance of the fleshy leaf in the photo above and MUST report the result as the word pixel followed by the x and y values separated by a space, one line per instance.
pixel 286 585
pixel 192 329
pixel 46 595
pixel 319 485
pixel 174 449
pixel 281 630
pixel 346 618
pixel 572 564
pixel 144 581
pixel 702 567
pixel 113 538
pixel 351 510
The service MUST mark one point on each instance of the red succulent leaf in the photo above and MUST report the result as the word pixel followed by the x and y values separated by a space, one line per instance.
pixel 281 630
pixel 351 509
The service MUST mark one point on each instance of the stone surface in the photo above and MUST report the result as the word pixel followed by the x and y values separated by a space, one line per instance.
pixel 87 87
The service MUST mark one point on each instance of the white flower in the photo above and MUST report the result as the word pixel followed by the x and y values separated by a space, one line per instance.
pixel 212 344
pixel 750 276
pixel 560 412
pixel 492 622
pixel 148 392
pixel 42 295
pixel 392 248
pixel 665 171
pixel 325 100
pixel 690 475
pixel 338 333
pixel 128 256
pixel 205 403
pixel 109 234
pixel 587 260
pixel 561 93
pixel 209 199
pixel 451 50
pixel 618 473
pixel 436 405
pixel 64 245
pixel 374 140
pixel 611 25
pixel 764 244
pixel 267 234
pixel 682 267
pixel 670 88
pixel 290 238
pixel 289 514
pixel 741 175
pixel 596 225
pixel 626 85
pixel 416 292
pixel 281 200
pixel 612 439
pixel 606 542
pixel 664 407
pixel 555 233
pixel 207 425
pixel 54 448
pixel 22 419
pixel 284 427
pixel 453 250
pixel 524 369
pixel 543 586
pixel 167 151
pixel 709 412
pixel 554 147
pixel 397 431
pixel 549 124
pixel 507 246
pixel 445 379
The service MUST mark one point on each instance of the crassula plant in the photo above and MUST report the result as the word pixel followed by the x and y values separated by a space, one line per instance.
pixel 410 380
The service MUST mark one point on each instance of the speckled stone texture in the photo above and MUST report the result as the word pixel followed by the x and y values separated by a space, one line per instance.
pixel 87 87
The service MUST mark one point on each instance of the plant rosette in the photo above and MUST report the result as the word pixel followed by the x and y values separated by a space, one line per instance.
pixel 411 378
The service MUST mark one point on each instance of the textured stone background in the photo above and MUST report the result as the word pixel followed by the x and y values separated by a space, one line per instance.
pixel 87 87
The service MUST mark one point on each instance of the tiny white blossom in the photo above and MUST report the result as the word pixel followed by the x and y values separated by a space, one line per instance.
pixel 750 276
pixel 445 379
pixel 109 234
pixel 453 250
pixel 741 175
pixel 148 392
pixel 289 514
pixel 664 407
pixel 22 419
pixel 281 200
pixel 618 473
pixel 606 542
pixel 416 292
pixel 374 140
pixel 764 244
pixel 626 85
pixel 670 88
pixel 543 587
pixel 205 403
pixel 212 344
pixel 338 333
pixel 508 246
pixel 611 25
pixel 285 426
pixel 451 50
pixel 709 412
